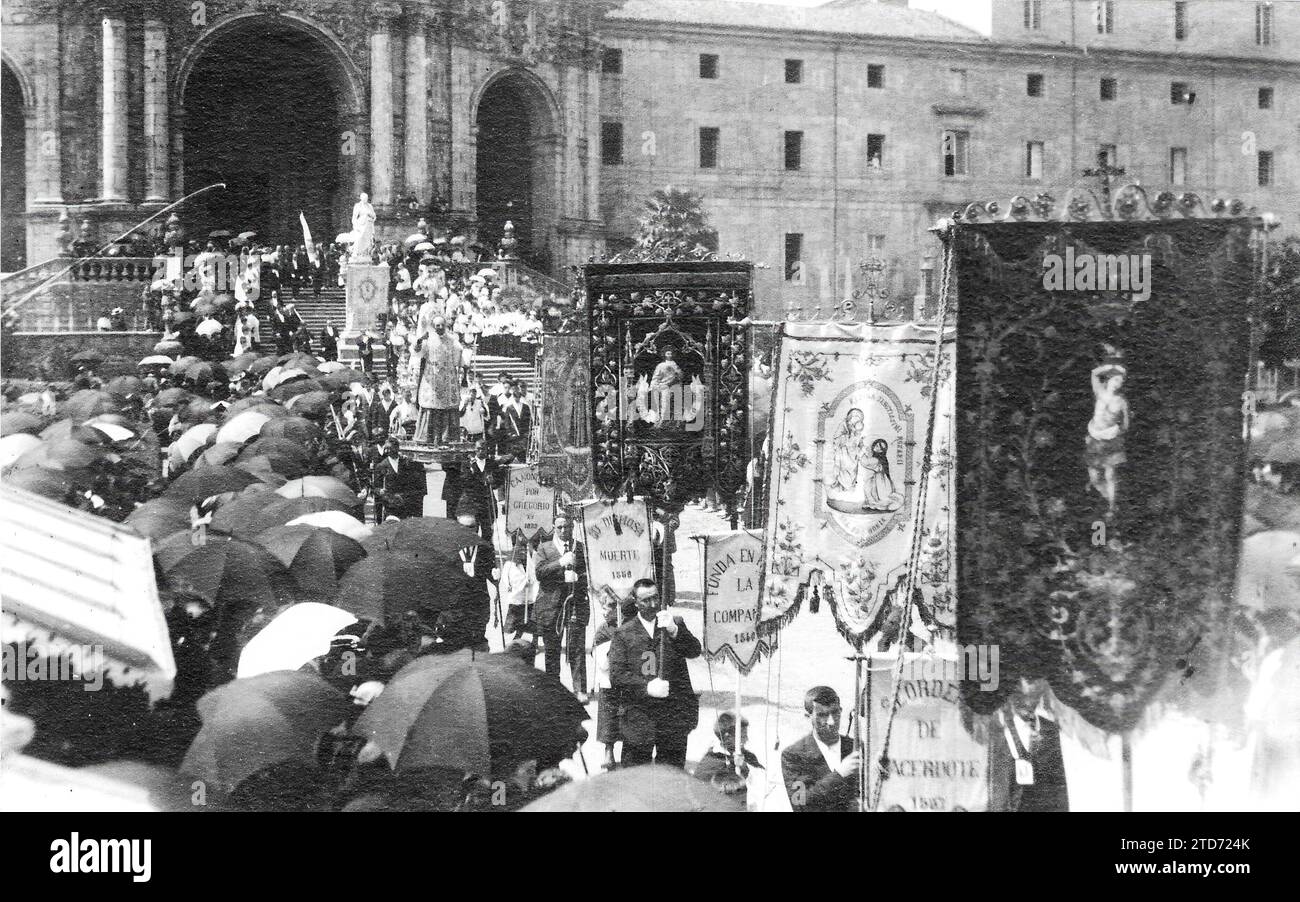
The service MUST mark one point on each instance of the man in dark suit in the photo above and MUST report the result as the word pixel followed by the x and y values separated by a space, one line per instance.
pixel 562 604
pixel 399 485
pixel 1026 770
pixel 647 665
pixel 329 341
pixel 479 481
pixel 821 770
pixel 382 405
pixel 516 420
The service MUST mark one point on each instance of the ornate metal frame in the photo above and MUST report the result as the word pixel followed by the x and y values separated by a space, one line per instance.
pixel 1130 203
pixel 715 297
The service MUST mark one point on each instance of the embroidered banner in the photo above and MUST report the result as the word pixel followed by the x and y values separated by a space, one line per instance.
pixel 366 294
pixel 849 418
pixel 732 570
pixel 616 537
pixel 938 756
pixel 1100 449
pixel 530 506
pixel 563 424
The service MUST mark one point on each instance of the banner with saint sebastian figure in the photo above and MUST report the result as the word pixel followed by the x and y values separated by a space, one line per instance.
pixel 1100 378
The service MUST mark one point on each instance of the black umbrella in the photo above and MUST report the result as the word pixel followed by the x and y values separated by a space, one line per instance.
pixel 648 788
pixel 315 557
pixel 247 516
pixel 204 482
pixel 89 356
pixel 296 430
pixel 172 397
pixel 477 714
pixel 89 403
pixel 444 539
pixel 429 594
pixel 124 386
pixel 286 447
pixel 232 576
pixel 160 517
pixel 261 722
pixel 20 421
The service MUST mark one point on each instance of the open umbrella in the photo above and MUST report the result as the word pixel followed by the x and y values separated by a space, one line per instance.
pixel 298 634
pixel 312 404
pixel 331 366
pixel 1268 575
pixel 259 722
pixel 111 431
pixel 160 517
pixel 172 397
pixel 432 536
pixel 89 403
pixel 423 246
pixel 88 357
pixel 299 360
pixel 478 714
pixel 71 429
pixel 155 360
pixel 219 233
pixel 344 524
pixel 240 518
pixel 241 363
pixel 273 468
pixel 116 366
pixel 166 347
pixel 242 426
pixel 204 482
pixel 318 487
pixel 190 442
pixel 315 557
pixel 285 447
pixel 19 421
pixel 124 386
pixel 181 364
pixel 42 481
pixel 650 787
pixel 292 389
pixel 208 327
pixel 260 403
pixel 230 575
pixel 337 380
pixel 415 238
pixel 202 373
pixel 298 430
pixel 445 603
pixel 12 447
pixel 261 366
pixel 65 454
pixel 246 236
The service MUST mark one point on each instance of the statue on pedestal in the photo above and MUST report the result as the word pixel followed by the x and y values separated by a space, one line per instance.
pixel 363 230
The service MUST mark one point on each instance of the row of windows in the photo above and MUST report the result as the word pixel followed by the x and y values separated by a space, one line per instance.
pixel 795 269
pixel 1103 15
pixel 1180 92
pixel 611 63
pixel 954 153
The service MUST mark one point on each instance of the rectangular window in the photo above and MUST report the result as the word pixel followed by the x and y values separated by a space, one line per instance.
pixel 708 65
pixel 1178 165
pixel 1104 13
pixel 611 143
pixel 1108 155
pixel 875 247
pixel 611 61
pixel 876 151
pixel 1034 14
pixel 875 75
pixel 1266 98
pixel 955 153
pixel 1263 24
pixel 793 257
pixel 793 72
pixel 1265 168
pixel 1180 20
pixel 957 81
pixel 1034 160
pixel 793 150
pixel 1034 84
pixel 1109 88
pixel 1180 92
pixel 708 147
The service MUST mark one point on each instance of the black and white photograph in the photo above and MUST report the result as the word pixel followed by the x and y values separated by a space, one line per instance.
pixel 902 398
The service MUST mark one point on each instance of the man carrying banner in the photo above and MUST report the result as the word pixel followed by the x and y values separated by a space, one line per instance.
pixel 647 665
pixel 821 770
pixel 562 604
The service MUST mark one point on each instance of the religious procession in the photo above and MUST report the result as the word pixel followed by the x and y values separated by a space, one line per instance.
pixel 477 513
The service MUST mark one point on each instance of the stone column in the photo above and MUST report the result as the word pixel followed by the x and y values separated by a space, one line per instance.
pixel 156 140
pixel 381 104
pixel 417 116
pixel 113 108
pixel 45 143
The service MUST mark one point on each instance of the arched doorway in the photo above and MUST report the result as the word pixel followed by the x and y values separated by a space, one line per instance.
pixel 266 108
pixel 515 174
pixel 13 173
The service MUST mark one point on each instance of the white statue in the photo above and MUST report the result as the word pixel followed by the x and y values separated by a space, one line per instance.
pixel 363 230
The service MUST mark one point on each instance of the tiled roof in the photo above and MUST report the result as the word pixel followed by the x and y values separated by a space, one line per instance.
pixel 883 19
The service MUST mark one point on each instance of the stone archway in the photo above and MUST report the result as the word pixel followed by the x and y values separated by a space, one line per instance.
pixel 516 172
pixel 282 139
pixel 13 171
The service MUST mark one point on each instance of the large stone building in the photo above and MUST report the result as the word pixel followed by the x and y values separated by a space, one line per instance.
pixel 821 138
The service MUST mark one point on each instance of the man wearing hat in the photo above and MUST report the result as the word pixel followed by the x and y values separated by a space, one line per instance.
pixel 562 606
pixel 399 485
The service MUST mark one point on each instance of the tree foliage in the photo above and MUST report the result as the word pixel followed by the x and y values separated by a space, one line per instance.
pixel 673 226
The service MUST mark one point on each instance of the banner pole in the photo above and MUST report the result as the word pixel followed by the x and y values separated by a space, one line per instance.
pixel 740 748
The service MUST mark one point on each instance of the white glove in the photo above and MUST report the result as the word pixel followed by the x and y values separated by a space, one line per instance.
pixel 849 765
pixel 657 688
pixel 668 621
pixel 366 693
pixel 567 559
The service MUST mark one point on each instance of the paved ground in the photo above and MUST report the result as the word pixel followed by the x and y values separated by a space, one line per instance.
pixel 812 652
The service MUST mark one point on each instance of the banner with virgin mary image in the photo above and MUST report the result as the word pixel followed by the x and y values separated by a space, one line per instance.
pixel 564 415
pixel 850 486
pixel 1100 447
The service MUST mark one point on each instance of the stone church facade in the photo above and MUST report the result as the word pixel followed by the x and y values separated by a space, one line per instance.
pixel 821 139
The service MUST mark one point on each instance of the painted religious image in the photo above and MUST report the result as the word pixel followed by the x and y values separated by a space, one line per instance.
pixel 866 455
pixel 1110 421
pixel 663 393
pixel 860 480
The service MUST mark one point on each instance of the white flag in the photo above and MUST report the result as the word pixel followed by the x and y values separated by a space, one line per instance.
pixel 306 239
